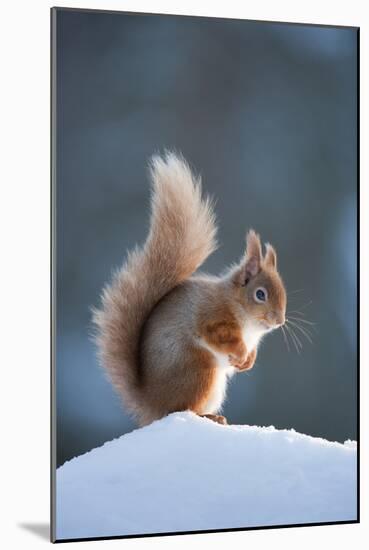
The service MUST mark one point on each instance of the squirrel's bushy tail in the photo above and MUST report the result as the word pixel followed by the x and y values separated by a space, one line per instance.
pixel 182 235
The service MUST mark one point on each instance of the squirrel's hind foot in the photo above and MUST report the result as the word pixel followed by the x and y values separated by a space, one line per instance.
pixel 215 418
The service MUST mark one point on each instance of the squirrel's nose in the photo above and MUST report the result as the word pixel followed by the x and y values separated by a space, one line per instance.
pixel 276 317
pixel 280 319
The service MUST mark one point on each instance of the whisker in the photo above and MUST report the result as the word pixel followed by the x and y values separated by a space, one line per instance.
pixel 289 335
pixel 302 320
pixel 285 339
pixel 310 329
pixel 295 291
pixel 297 345
pixel 292 336
pixel 303 331
pixel 296 323
pixel 297 337
pixel 307 334
pixel 304 306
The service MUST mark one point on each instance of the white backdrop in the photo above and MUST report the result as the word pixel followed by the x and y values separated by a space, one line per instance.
pixel 24 219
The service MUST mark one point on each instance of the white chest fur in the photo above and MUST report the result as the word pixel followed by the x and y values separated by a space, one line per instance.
pixel 218 393
pixel 223 373
pixel 251 336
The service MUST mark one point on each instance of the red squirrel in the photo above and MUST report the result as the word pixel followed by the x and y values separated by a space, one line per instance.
pixel 168 339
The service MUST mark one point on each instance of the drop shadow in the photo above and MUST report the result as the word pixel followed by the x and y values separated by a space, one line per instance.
pixel 42 530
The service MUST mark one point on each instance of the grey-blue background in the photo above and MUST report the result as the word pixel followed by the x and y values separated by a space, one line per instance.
pixel 267 113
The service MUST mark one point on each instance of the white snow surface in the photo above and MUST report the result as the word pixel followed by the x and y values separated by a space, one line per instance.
pixel 186 473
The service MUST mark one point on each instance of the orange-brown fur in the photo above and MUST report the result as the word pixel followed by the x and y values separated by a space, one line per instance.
pixel 223 333
pixel 189 389
pixel 249 362
pixel 167 338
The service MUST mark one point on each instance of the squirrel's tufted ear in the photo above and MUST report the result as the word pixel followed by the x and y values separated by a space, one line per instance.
pixel 270 256
pixel 253 254
pixel 251 263
pixel 253 257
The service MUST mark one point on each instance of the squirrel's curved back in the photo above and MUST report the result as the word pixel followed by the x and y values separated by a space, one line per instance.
pixel 182 235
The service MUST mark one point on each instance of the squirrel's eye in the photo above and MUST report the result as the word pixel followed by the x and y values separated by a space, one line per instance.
pixel 260 295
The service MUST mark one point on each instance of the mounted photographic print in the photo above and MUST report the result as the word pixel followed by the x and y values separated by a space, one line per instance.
pixel 204 285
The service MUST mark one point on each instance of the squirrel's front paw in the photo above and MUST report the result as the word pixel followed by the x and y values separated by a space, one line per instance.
pixel 233 361
pixel 249 363
pixel 236 360
pixel 238 356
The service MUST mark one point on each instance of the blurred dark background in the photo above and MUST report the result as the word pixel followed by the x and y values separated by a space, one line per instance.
pixel 266 113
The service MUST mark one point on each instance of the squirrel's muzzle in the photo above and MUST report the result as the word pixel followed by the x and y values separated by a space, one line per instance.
pixel 276 318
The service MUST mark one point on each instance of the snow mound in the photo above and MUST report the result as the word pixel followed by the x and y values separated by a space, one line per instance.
pixel 185 473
